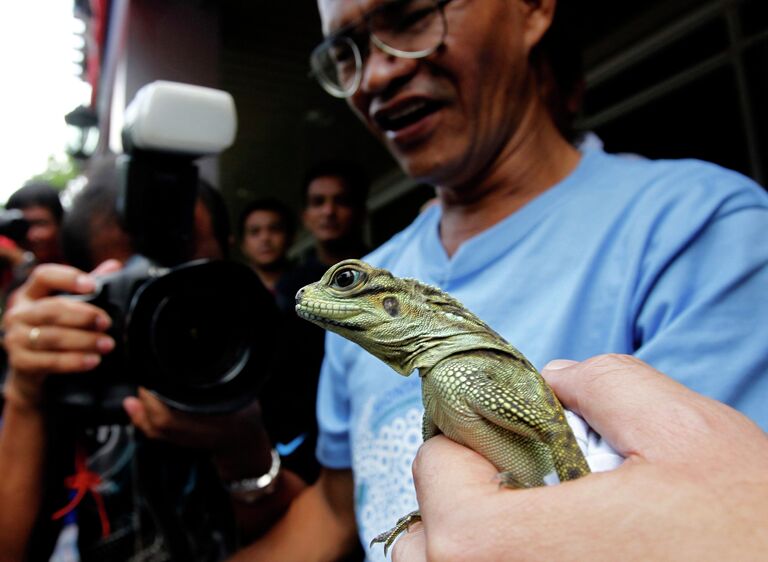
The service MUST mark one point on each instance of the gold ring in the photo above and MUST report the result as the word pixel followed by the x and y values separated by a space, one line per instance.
pixel 34 335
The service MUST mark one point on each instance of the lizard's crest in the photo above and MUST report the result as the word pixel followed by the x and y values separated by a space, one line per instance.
pixel 405 323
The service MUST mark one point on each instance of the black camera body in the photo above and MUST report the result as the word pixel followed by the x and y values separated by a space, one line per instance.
pixel 13 225
pixel 200 335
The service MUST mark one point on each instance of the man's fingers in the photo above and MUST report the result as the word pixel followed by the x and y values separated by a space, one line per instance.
pixel 55 338
pixel 626 401
pixel 163 422
pixel 58 311
pixel 582 387
pixel 446 475
pixel 158 414
pixel 454 484
pixel 137 413
pixel 49 277
pixel 107 266
pixel 151 416
pixel 44 362
pixel 444 470
pixel 24 337
pixel 467 466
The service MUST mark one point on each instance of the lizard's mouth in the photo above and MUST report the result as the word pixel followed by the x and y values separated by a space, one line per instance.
pixel 328 314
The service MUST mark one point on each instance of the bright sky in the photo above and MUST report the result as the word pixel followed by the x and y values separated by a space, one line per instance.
pixel 40 84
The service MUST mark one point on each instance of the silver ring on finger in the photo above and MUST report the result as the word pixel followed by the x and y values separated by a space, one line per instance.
pixel 33 336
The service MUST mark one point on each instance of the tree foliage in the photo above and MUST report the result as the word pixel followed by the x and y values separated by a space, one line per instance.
pixel 61 168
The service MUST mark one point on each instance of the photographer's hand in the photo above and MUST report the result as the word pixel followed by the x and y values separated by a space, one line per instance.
pixel 215 433
pixel 47 334
pixel 44 335
pixel 238 443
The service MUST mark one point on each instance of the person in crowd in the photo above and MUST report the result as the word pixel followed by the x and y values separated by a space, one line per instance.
pixel 266 230
pixel 334 198
pixel 200 465
pixel 212 233
pixel 39 201
pixel 694 485
pixel 40 243
pixel 565 254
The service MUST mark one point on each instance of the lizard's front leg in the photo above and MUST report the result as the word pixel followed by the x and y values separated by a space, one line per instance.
pixel 388 537
pixel 428 429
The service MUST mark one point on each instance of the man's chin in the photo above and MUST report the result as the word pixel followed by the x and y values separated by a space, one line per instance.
pixel 267 261
pixel 418 166
pixel 328 232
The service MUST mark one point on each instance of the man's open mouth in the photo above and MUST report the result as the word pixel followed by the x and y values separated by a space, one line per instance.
pixel 406 114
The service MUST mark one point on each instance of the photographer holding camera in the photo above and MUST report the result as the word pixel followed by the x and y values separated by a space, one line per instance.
pixel 81 380
pixel 50 336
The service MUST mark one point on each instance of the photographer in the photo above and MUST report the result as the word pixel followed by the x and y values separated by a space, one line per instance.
pixel 165 345
pixel 51 336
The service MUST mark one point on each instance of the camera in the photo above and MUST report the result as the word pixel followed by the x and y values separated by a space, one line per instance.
pixel 199 334
pixel 13 225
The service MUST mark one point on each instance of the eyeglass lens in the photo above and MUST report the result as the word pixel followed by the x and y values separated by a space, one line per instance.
pixel 403 28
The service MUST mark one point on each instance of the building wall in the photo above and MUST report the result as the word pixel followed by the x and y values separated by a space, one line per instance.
pixel 168 40
pixel 683 79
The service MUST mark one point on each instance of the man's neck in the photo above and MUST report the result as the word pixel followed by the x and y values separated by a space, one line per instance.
pixel 534 160
pixel 271 275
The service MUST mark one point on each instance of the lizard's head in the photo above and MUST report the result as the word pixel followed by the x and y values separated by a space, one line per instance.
pixel 400 321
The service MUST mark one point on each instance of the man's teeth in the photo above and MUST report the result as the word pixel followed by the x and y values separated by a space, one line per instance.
pixel 406 111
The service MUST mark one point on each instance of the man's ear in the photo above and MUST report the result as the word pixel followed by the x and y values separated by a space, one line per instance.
pixel 538 17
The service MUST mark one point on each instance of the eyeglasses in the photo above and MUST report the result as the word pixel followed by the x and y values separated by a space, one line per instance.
pixel 410 29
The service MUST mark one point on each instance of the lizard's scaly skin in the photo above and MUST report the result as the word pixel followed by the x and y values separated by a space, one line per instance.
pixel 477 389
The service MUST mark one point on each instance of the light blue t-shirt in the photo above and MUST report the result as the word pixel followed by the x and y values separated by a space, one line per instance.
pixel 666 260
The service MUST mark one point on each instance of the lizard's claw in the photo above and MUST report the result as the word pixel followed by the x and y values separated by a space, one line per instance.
pixel 388 537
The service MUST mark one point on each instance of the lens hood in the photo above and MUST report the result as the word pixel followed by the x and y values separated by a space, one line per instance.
pixel 202 336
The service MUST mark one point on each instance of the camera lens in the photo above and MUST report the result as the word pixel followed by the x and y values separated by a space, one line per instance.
pixel 202 336
pixel 199 340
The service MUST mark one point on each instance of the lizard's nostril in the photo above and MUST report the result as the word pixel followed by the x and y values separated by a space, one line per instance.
pixel 299 294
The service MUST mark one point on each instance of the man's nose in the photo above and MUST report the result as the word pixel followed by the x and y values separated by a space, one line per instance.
pixel 328 207
pixel 381 69
pixel 34 233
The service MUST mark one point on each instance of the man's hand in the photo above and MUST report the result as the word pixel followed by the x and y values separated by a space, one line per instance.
pixel 694 485
pixel 215 433
pixel 47 334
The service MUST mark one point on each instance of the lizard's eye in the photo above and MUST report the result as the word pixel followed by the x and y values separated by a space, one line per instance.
pixel 346 279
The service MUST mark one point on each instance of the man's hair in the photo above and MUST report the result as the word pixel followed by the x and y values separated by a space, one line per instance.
pixel 354 179
pixel 557 59
pixel 214 203
pixel 37 194
pixel 97 200
pixel 268 204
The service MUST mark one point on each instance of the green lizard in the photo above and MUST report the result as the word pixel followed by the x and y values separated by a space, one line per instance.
pixel 477 389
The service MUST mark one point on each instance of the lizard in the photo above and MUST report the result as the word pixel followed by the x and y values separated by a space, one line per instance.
pixel 477 389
